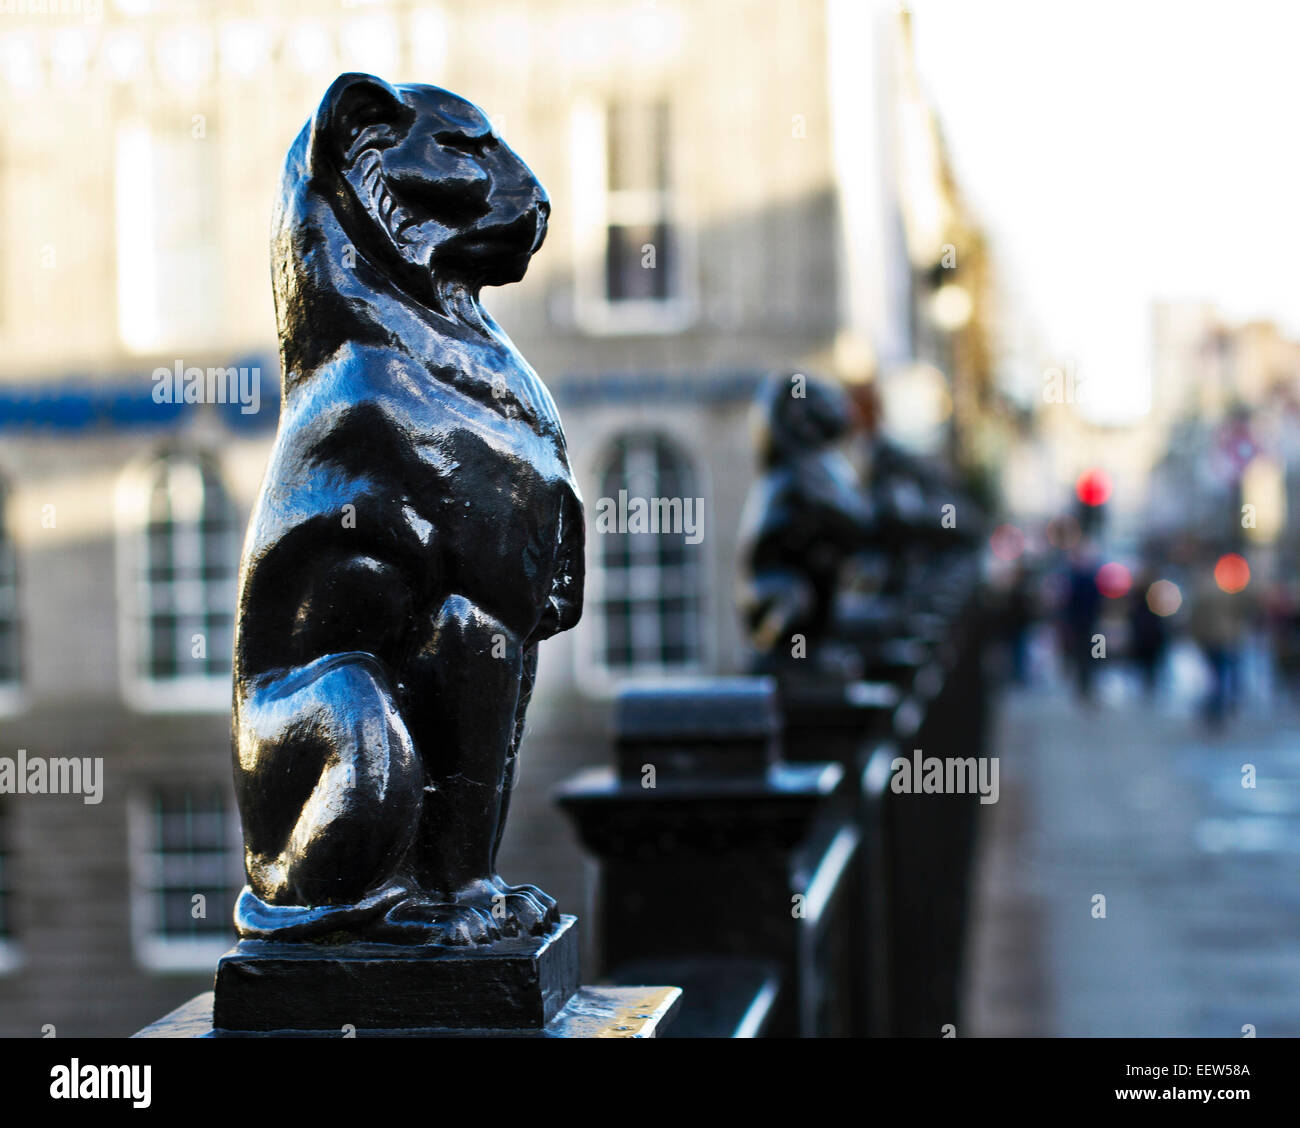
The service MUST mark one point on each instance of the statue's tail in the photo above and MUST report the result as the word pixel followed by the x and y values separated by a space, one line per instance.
pixel 255 919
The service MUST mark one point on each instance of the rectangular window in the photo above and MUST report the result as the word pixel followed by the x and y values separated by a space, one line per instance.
pixel 168 263
pixel 631 271
pixel 185 847
pixel 638 256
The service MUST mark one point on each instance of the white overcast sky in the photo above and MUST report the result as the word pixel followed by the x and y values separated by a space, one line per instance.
pixel 1121 153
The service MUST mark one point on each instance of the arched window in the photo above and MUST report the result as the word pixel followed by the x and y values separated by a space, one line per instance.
pixel 181 541
pixel 649 578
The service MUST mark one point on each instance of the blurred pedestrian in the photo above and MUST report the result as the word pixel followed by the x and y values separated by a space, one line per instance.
pixel 1219 623
pixel 1080 614
pixel 1148 636
pixel 1018 615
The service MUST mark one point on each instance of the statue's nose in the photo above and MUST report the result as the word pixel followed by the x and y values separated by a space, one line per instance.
pixel 543 205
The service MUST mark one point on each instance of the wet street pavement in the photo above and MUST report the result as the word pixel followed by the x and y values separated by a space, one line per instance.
pixel 1139 803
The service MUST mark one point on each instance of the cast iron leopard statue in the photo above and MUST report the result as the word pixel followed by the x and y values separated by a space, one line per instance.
pixel 804 519
pixel 417 534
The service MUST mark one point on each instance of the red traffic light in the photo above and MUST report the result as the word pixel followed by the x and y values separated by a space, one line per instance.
pixel 1093 487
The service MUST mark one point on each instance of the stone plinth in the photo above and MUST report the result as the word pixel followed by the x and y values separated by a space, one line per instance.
pixel 518 983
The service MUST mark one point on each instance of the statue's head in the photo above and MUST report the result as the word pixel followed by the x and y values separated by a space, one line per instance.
pixel 424 184
pixel 798 414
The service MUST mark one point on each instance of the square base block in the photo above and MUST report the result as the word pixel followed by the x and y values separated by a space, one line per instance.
pixel 520 983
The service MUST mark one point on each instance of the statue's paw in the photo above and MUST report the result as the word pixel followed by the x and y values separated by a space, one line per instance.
pixel 520 914
pixel 439 922
pixel 515 910
pixel 542 903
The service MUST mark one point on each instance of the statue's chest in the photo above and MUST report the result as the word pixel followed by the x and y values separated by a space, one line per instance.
pixel 487 440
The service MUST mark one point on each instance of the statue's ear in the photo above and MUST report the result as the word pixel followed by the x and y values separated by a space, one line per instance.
pixel 358 111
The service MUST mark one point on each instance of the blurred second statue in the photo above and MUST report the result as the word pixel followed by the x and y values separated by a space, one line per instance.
pixel 847 543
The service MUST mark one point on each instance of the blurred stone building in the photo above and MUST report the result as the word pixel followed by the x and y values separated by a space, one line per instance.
pixel 1225 435
pixel 728 180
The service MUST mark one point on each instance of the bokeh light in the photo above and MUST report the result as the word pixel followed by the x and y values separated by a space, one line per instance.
pixel 1232 573
pixel 1164 598
pixel 1007 542
pixel 1114 580
pixel 951 307
pixel 1093 487
pixel 1063 532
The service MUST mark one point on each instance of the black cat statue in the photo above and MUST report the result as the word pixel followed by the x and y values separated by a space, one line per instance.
pixel 417 534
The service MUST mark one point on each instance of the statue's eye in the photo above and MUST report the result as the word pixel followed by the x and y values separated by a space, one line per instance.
pixel 461 143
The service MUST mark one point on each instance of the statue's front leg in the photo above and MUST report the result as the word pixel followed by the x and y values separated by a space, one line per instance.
pixel 465 713
pixel 529 899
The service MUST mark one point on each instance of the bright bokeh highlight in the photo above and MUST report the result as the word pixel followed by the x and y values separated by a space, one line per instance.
pixel 1114 580
pixel 1164 598
pixel 1232 573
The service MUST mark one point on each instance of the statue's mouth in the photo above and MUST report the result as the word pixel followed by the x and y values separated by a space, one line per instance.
pixel 521 234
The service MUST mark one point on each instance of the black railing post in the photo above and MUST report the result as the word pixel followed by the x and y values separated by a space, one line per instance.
pixel 715 853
